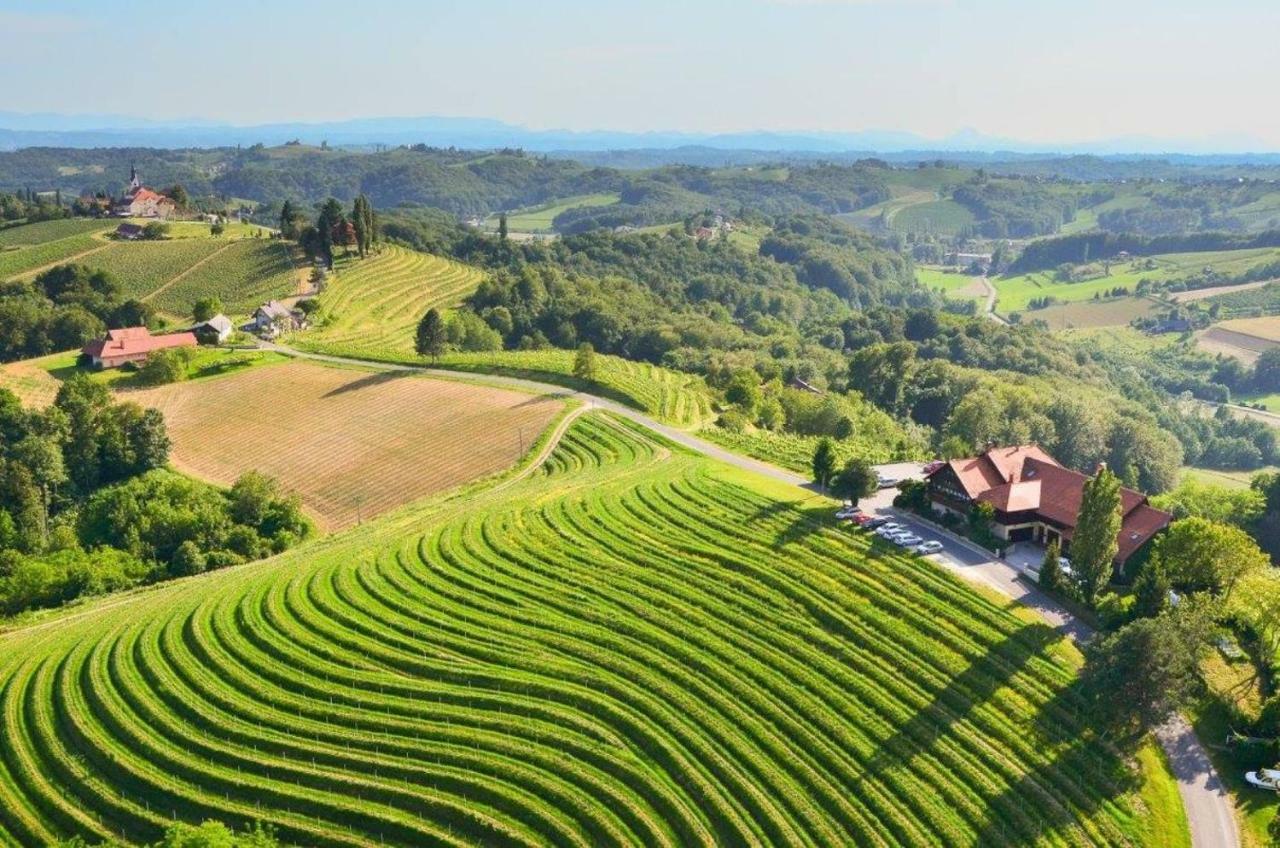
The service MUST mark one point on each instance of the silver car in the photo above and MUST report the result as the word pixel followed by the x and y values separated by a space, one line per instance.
pixel 907 540
pixel 932 546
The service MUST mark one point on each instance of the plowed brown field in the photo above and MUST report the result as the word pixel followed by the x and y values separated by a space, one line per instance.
pixel 352 444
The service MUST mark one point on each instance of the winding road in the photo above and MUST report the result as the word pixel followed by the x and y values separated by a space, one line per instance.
pixel 1210 814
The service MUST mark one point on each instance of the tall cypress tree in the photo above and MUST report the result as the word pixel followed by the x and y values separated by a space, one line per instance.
pixel 1093 546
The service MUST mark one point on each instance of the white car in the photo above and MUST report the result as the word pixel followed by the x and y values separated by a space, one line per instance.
pixel 848 512
pixel 907 540
pixel 887 530
pixel 887 482
pixel 932 546
pixel 1264 779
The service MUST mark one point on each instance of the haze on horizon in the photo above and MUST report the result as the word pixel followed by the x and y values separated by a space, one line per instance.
pixel 1041 73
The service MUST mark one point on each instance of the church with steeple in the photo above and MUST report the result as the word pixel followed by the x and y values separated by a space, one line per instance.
pixel 141 202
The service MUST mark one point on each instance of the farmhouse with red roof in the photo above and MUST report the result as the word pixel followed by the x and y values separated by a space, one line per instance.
pixel 142 202
pixel 132 344
pixel 1035 498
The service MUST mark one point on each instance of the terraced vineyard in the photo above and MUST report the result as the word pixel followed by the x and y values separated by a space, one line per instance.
pixel 635 647
pixel 142 267
pixel 375 304
pixel 47 231
pixel 242 275
pixel 24 259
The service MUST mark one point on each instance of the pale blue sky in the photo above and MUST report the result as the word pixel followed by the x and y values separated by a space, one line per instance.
pixel 1035 70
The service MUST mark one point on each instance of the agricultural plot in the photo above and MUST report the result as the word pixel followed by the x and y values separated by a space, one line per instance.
pixel 352 444
pixel 31 380
pixel 1243 338
pixel 940 217
pixel 42 232
pixel 953 285
pixel 373 305
pixel 1113 312
pixel 795 452
pixel 670 396
pixel 540 219
pixel 24 260
pixel 1016 292
pixel 142 267
pixel 635 648
pixel 242 275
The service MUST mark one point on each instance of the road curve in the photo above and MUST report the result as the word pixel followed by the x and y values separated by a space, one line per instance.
pixel 1208 805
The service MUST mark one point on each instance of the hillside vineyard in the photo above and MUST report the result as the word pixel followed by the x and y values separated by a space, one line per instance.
pixel 632 647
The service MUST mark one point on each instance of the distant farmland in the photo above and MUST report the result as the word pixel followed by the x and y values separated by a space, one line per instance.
pixel 352 444
pixel 539 219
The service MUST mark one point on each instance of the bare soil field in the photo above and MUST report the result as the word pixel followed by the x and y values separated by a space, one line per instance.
pixel 30 381
pixel 1201 294
pixel 1243 338
pixel 352 444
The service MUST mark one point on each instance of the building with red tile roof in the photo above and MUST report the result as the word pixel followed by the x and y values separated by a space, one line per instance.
pixel 1036 499
pixel 132 344
pixel 142 202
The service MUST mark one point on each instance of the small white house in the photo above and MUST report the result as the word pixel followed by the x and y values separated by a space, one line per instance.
pixel 216 330
pixel 273 318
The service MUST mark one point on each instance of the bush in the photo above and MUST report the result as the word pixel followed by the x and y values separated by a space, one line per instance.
pixel 164 366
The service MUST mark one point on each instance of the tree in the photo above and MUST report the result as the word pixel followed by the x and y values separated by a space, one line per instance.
pixel 1266 371
pixel 584 363
pixel 1148 669
pixel 290 221
pixel 216 229
pixel 162 367
pixel 206 308
pixel 431 335
pixel 744 392
pixel 1094 547
pixel 824 462
pixel 1151 589
pixel 327 222
pixel 362 220
pixel 1050 571
pixel 155 230
pixel 857 480
pixel 1203 555
pixel 502 226
pixel 178 195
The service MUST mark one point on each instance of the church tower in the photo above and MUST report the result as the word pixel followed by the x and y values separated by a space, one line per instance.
pixel 134 182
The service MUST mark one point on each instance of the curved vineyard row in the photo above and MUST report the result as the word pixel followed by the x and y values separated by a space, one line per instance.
pixel 633 648
pixel 375 304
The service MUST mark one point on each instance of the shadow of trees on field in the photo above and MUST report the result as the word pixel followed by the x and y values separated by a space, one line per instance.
pixel 1083 775
pixel 368 381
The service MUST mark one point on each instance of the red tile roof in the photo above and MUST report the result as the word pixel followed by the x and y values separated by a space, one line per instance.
pixel 1025 479
pixel 135 341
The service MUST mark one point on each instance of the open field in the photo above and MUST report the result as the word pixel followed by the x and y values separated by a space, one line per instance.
pixel 1243 338
pixel 538 219
pixel 1016 291
pixel 941 217
pixel 1218 477
pixel 952 284
pixel 795 452
pixel 1104 313
pixel 638 647
pixel 375 304
pixel 1213 291
pixel 352 444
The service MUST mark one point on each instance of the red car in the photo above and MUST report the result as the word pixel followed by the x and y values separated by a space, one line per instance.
pixel 931 467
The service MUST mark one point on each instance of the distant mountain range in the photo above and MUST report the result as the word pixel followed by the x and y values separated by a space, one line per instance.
pixel 58 130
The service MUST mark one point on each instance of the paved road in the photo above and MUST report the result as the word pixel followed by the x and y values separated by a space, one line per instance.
pixel 1208 806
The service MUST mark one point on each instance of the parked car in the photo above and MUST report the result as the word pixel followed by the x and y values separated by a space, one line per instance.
pixel 887 530
pixel 864 520
pixel 887 482
pixel 846 512
pixel 907 540
pixel 932 546
pixel 876 523
pixel 930 467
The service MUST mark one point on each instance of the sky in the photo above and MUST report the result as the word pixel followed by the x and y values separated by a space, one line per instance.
pixel 1037 71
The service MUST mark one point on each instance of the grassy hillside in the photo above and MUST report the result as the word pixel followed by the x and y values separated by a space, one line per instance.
pixel 48 246
pixel 635 647
pixel 47 231
pixel 538 219
pixel 1016 291
pixel 372 306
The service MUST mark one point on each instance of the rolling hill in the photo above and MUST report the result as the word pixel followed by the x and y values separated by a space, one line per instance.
pixel 633 647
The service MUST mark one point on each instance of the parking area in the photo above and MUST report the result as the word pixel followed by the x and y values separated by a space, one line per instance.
pixel 963 557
